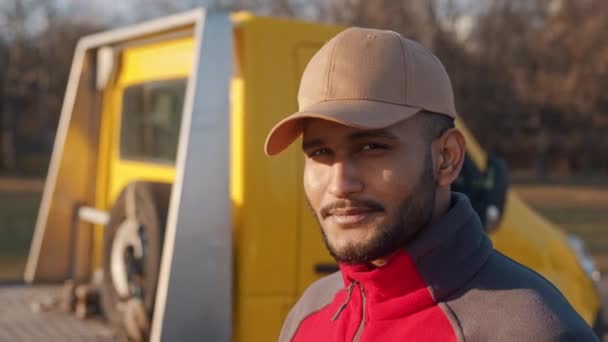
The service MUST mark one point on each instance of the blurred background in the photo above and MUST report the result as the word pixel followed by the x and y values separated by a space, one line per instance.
pixel 530 79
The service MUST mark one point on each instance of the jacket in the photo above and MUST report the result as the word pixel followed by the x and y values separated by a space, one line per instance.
pixel 449 284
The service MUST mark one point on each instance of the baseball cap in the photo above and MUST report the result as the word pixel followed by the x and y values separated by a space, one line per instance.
pixel 368 79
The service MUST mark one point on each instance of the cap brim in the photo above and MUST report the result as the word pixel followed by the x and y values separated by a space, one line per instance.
pixel 362 114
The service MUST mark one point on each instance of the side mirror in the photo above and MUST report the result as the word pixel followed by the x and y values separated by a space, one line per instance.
pixel 486 190
pixel 497 184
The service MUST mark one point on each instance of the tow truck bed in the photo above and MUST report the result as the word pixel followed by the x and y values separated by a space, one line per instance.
pixel 32 313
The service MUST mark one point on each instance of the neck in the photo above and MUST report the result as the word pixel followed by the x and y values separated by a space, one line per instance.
pixel 442 205
pixel 382 261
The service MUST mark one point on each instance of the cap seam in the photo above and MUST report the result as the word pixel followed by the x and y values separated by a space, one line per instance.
pixel 331 66
pixel 404 66
pixel 364 99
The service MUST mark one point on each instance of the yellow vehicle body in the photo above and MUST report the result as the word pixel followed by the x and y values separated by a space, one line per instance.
pixel 277 246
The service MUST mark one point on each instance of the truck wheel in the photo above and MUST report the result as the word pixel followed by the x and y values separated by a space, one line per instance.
pixel 131 256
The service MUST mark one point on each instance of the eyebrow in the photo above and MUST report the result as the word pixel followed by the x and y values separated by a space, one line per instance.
pixel 378 133
pixel 312 143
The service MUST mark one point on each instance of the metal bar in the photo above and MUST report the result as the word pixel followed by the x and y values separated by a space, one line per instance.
pixel 93 215
pixel 195 287
pixel 139 30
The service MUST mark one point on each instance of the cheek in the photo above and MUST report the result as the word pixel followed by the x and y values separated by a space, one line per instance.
pixel 379 176
pixel 391 184
pixel 395 179
pixel 388 176
pixel 315 183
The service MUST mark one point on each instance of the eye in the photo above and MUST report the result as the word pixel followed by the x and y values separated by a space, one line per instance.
pixel 373 146
pixel 319 152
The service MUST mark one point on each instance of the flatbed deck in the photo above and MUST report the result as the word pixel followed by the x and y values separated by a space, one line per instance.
pixel 32 313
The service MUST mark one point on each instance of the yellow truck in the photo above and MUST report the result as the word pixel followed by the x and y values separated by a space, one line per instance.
pixel 158 182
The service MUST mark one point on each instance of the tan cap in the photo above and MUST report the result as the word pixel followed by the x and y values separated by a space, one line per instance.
pixel 368 79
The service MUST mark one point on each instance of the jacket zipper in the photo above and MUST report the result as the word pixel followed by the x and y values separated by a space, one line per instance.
pixel 362 325
pixel 349 292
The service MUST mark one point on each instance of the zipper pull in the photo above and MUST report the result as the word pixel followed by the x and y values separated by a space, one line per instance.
pixel 343 305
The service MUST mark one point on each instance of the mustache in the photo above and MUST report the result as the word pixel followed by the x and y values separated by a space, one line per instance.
pixel 350 204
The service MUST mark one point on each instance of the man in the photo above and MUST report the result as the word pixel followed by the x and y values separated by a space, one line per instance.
pixel 376 115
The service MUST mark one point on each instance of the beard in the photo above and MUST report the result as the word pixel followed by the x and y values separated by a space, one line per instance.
pixel 413 214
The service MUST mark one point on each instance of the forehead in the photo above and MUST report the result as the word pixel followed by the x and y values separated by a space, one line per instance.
pixel 329 131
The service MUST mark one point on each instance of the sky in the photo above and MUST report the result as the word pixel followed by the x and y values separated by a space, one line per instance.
pixel 122 12
pixel 131 10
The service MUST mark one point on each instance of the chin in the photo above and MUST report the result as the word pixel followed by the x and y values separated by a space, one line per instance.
pixel 358 239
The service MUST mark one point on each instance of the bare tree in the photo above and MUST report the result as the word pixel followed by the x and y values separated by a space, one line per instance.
pixel 39 46
pixel 17 78
pixel 537 67
pixel 413 18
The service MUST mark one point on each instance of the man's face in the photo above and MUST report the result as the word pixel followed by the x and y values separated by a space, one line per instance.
pixel 370 190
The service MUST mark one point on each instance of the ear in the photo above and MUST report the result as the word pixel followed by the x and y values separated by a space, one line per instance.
pixel 450 151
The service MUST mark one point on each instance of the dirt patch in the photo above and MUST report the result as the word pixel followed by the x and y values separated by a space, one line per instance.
pixel 9 184
pixel 562 195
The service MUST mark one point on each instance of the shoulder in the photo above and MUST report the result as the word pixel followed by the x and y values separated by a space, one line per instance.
pixel 319 294
pixel 316 296
pixel 507 301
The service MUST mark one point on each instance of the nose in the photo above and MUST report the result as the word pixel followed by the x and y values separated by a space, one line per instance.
pixel 345 180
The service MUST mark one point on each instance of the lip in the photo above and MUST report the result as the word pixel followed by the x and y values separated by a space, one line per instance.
pixel 351 217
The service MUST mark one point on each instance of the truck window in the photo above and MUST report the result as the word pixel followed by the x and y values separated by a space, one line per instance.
pixel 151 117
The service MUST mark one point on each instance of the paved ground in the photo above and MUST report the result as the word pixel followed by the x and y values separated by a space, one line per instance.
pixel 30 314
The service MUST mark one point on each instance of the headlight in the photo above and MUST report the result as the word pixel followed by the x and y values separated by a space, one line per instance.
pixel 585 259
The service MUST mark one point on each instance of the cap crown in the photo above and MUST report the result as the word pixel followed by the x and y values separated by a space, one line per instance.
pixel 377 65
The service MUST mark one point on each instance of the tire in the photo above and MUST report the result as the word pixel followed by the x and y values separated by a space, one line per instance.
pixel 131 265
